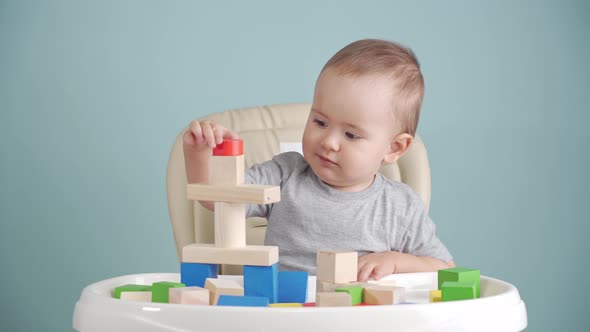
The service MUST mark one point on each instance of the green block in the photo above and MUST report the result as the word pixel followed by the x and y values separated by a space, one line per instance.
pixel 131 288
pixel 355 292
pixel 455 291
pixel 459 274
pixel 160 290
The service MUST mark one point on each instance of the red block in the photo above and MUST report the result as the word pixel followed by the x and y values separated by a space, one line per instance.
pixel 309 304
pixel 229 147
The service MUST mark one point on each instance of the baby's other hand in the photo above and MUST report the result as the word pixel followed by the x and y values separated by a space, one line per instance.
pixel 376 265
pixel 206 134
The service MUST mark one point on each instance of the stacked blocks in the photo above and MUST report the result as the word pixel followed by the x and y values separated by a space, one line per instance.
pixel 337 270
pixel 459 284
pixel 230 195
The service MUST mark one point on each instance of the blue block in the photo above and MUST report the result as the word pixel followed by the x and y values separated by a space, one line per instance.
pixel 194 274
pixel 242 301
pixel 262 281
pixel 293 286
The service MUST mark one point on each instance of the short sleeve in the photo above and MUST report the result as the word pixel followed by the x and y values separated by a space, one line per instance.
pixel 420 238
pixel 269 173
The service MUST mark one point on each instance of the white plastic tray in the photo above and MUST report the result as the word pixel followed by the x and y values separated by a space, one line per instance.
pixel 500 308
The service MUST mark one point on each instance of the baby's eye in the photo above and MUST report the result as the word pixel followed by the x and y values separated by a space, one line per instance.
pixel 352 136
pixel 320 123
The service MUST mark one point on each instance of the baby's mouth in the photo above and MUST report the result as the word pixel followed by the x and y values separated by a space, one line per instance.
pixel 326 160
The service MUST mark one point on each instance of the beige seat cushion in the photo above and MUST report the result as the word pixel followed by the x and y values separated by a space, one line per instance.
pixel 263 129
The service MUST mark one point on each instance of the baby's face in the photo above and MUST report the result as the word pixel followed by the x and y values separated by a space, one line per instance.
pixel 349 129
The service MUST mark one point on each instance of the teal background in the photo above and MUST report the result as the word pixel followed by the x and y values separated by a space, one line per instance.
pixel 92 95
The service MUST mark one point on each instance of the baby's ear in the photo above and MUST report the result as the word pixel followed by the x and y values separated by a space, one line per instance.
pixel 398 146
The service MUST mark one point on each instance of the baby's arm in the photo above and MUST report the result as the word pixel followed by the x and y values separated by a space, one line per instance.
pixel 381 264
pixel 198 141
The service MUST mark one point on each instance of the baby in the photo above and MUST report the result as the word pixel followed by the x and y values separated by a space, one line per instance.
pixel 364 113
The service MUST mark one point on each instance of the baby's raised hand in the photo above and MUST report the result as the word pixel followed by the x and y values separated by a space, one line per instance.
pixel 206 134
pixel 376 265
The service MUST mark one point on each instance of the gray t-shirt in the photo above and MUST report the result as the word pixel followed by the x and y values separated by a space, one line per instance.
pixel 312 216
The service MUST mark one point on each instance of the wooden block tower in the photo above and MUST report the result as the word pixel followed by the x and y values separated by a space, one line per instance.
pixel 227 189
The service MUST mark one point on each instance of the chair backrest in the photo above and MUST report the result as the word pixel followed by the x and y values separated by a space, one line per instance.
pixel 263 129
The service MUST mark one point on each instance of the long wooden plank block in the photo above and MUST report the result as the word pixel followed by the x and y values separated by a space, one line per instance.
pixel 244 193
pixel 248 255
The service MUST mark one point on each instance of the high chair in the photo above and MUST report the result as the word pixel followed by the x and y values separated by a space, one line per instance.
pixel 264 130
pixel 267 131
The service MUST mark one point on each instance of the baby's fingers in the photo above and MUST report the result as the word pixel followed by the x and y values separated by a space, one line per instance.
pixel 208 134
pixel 194 134
pixel 365 271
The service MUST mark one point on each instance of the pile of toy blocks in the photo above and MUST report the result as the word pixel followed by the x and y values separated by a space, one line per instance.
pixel 456 284
pixel 337 283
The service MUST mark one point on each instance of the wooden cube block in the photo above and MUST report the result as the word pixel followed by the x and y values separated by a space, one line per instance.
pixel 195 274
pixel 293 286
pixel 337 266
pixel 242 301
pixel 262 281
pixel 131 288
pixel 460 274
pixel 226 170
pixel 161 290
pixel 435 295
pixel 324 286
pixel 377 294
pixel 189 295
pixel 230 225
pixel 355 292
pixel 219 287
pixel 455 291
pixel 145 296
pixel 332 299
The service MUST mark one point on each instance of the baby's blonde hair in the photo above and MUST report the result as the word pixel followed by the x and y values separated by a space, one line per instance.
pixel 375 56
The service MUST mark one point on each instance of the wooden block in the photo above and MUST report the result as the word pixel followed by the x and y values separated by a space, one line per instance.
pixel 160 290
pixel 189 295
pixel 293 286
pixel 195 274
pixel 226 170
pixel 145 296
pixel 229 147
pixel 262 281
pixel 230 225
pixel 285 305
pixel 459 274
pixel 455 291
pixel 332 299
pixel 384 294
pixel 248 255
pixel 435 296
pixel 337 266
pixel 355 292
pixel 131 288
pixel 324 286
pixel 243 193
pixel 242 301
pixel 219 287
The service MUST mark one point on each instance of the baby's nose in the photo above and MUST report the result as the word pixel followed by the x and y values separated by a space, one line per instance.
pixel 330 142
